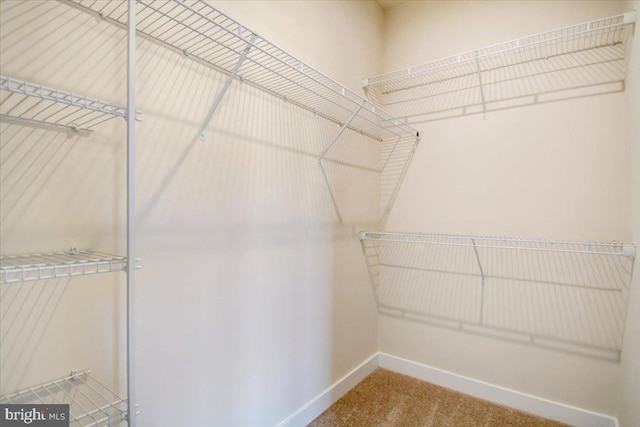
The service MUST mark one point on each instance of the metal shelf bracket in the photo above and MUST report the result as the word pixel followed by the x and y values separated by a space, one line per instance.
pixel 475 249
pixel 342 129
pixel 227 84
pixel 484 106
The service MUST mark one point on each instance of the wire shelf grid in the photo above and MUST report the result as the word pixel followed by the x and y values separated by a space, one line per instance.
pixel 567 295
pixel 54 265
pixel 578 56
pixel 91 403
pixel 198 30
pixel 30 102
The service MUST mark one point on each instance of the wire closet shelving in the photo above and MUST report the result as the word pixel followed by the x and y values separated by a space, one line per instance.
pixel 27 102
pixel 201 32
pixel 577 60
pixel 91 403
pixel 56 265
pixel 566 295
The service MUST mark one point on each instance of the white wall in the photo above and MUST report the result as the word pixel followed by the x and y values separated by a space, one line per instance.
pixel 557 170
pixel 628 410
pixel 253 297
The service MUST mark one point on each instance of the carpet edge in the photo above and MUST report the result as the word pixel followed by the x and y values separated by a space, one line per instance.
pixel 514 399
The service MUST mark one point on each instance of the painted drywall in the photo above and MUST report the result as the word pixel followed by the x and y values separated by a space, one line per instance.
pixel 253 297
pixel 555 170
pixel 628 410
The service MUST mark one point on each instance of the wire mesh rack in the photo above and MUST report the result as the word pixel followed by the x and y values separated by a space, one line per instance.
pixel 201 32
pixel 54 265
pixel 591 56
pixel 567 295
pixel 29 102
pixel 91 403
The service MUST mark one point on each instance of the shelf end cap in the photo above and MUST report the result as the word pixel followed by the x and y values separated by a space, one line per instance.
pixel 629 17
pixel 629 250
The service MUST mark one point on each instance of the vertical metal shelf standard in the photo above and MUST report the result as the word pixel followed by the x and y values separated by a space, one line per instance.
pixel 566 295
pixel 590 56
pixel 28 103
pixel 131 213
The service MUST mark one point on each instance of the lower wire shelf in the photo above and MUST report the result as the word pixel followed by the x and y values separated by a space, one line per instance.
pixel 55 265
pixel 91 403
pixel 566 295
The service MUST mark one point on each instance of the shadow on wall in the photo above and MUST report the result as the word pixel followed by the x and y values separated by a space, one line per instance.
pixel 247 220
pixel 258 163
pixel 27 311
pixel 567 296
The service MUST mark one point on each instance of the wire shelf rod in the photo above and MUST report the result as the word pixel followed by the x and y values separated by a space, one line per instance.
pixel 519 248
pixel 493 276
pixel 420 239
pixel 461 324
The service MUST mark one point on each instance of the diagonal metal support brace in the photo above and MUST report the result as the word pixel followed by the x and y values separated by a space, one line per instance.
pixel 216 103
pixel 342 129
pixel 484 105
pixel 475 249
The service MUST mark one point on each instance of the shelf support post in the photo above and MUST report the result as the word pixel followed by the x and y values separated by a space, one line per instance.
pixel 131 264
pixel 484 105
pixel 342 129
pixel 227 84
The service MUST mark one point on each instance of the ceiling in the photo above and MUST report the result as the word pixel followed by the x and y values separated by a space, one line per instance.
pixel 387 4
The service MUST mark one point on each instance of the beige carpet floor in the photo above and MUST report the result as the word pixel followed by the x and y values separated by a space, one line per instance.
pixel 388 399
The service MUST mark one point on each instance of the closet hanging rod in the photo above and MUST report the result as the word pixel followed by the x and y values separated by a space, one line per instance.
pixel 200 31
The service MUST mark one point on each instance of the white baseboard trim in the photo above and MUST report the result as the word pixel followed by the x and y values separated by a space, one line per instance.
pixel 504 396
pixel 324 400
pixel 493 393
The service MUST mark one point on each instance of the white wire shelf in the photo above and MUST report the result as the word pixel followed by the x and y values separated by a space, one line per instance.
pixel 566 295
pixel 55 265
pixel 591 56
pixel 200 31
pixel 91 403
pixel 33 103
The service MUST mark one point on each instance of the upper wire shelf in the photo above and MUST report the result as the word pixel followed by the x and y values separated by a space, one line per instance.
pixel 91 403
pixel 566 295
pixel 54 265
pixel 589 55
pixel 200 31
pixel 30 102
